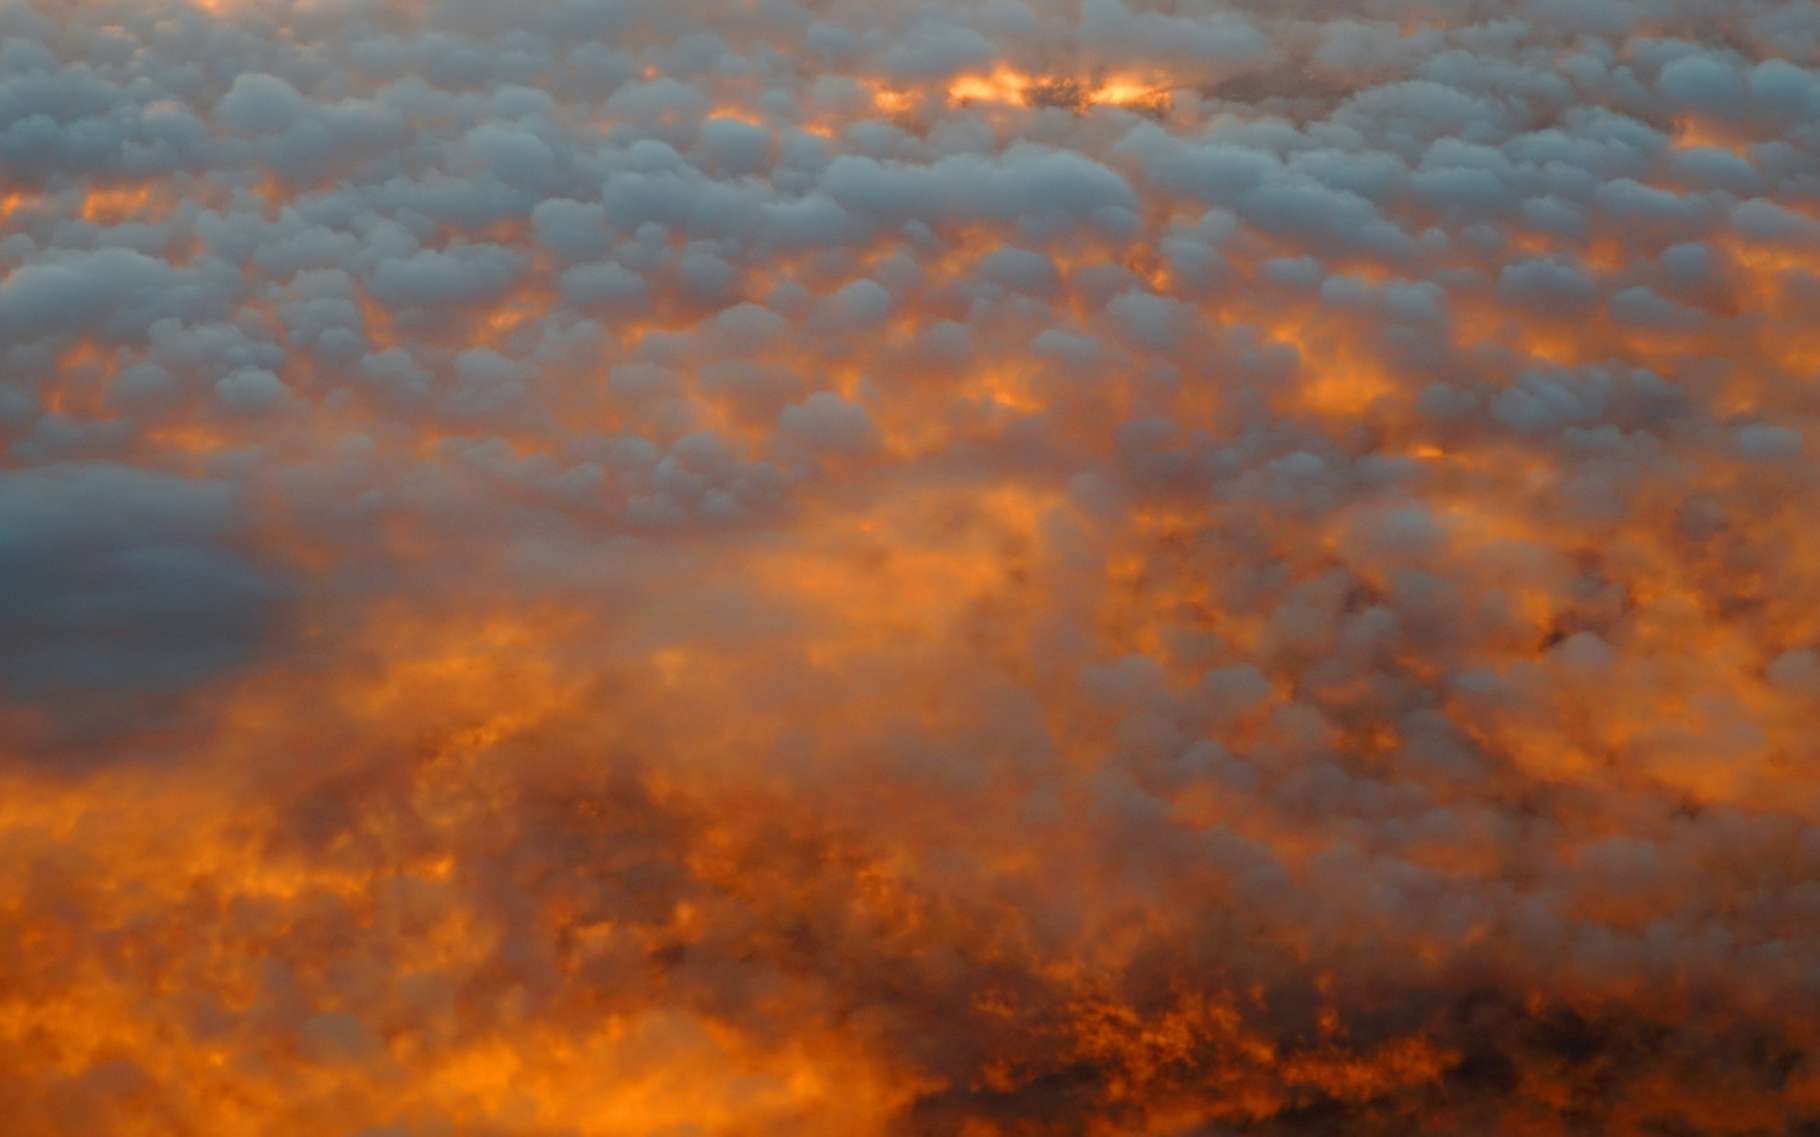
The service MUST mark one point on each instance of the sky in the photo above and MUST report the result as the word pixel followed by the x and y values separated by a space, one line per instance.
pixel 846 568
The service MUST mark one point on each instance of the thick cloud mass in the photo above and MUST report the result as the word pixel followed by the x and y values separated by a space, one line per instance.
pixel 637 568
pixel 119 578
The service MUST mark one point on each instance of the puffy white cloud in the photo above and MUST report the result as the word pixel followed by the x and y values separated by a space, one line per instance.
pixel 261 104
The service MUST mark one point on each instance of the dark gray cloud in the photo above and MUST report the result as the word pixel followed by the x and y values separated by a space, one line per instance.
pixel 126 582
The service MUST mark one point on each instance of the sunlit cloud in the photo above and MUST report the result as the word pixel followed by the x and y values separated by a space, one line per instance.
pixel 622 569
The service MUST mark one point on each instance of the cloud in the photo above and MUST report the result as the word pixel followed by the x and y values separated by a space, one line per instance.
pixel 125 582
pixel 605 568
pixel 261 104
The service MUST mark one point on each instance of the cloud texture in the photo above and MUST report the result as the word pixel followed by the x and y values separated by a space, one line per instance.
pixel 605 568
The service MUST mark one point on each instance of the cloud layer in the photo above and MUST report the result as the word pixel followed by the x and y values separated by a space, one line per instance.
pixel 596 568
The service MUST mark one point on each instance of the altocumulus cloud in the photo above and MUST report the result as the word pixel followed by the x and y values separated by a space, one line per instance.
pixel 605 568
